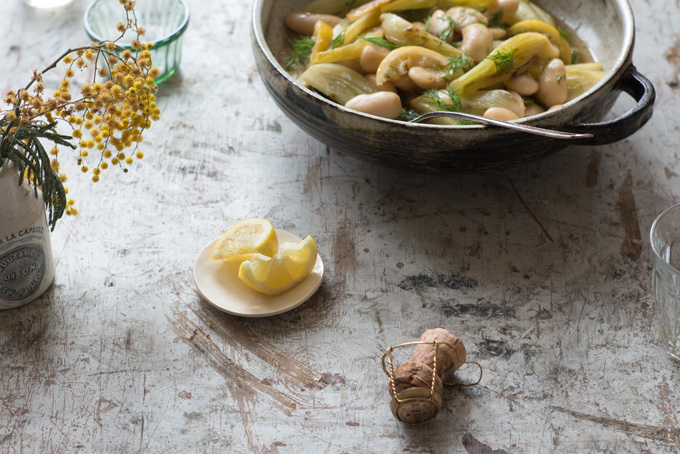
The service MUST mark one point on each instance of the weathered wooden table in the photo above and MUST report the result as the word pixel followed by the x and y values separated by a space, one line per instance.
pixel 542 270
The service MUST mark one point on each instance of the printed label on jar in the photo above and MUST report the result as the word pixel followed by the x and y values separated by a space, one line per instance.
pixel 22 271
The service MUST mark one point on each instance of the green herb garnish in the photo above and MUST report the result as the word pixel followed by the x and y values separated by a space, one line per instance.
pixel 454 97
pixel 575 55
pixel 408 115
pixel 433 96
pixel 447 34
pixel 339 40
pixel 457 64
pixel 382 42
pixel 387 74
pixel 442 105
pixel 450 103
pixel 301 49
pixel 504 61
pixel 427 21
pixel 563 33
pixel 495 19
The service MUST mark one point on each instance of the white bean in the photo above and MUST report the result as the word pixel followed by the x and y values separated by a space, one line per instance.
pixel 351 64
pixel 552 83
pixel 386 86
pixel 533 109
pixel 508 9
pixel 303 22
pixel 466 16
pixel 477 41
pixel 497 33
pixel 426 78
pixel 371 57
pixel 523 84
pixel 381 104
pixel 500 113
pixel 439 22
pixel 406 84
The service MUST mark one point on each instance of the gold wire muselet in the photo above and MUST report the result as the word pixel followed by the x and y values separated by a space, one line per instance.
pixel 419 405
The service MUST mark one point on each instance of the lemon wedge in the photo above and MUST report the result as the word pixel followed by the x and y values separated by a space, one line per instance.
pixel 290 266
pixel 245 239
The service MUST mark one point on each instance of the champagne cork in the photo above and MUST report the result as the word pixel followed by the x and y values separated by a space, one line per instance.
pixel 416 386
pixel 450 355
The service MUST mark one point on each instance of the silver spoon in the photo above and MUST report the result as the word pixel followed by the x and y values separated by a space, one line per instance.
pixel 503 124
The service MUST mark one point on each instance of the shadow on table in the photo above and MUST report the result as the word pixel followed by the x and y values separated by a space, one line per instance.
pixel 555 217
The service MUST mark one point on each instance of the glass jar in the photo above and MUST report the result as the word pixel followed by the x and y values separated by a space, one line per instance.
pixel 43 4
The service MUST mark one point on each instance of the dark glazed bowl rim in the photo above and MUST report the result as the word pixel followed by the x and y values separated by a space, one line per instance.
pixel 622 62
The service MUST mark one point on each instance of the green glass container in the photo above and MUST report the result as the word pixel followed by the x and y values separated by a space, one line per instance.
pixel 164 20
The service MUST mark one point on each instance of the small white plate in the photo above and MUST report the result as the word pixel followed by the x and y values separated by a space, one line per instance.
pixel 218 284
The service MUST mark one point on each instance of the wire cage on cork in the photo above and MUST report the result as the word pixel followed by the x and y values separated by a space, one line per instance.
pixel 419 400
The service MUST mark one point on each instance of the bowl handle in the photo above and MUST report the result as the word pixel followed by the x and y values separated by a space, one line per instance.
pixel 639 88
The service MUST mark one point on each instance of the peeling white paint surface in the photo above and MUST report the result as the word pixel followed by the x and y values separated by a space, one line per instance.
pixel 543 271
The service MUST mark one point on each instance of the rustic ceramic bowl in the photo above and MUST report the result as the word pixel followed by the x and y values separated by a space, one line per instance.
pixel 606 26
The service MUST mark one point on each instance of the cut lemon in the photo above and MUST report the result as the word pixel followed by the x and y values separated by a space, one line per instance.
pixel 293 263
pixel 246 238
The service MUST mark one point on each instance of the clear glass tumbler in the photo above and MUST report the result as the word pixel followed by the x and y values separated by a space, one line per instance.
pixel 47 3
pixel 164 20
pixel 665 240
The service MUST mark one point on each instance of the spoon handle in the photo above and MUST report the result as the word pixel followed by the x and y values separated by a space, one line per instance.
pixel 503 124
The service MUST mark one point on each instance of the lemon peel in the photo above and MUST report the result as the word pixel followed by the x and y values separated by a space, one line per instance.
pixel 245 239
pixel 286 269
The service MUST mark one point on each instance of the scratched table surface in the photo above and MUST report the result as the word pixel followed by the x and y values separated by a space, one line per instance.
pixel 542 270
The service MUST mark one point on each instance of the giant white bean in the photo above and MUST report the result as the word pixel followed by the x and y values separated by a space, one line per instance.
pixel 351 64
pixel 477 41
pixel 497 33
pixel 426 78
pixel 523 84
pixel 466 16
pixel 507 8
pixel 533 109
pixel 371 57
pixel 552 83
pixel 386 86
pixel 500 113
pixel 381 104
pixel 439 22
pixel 406 84
pixel 303 22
